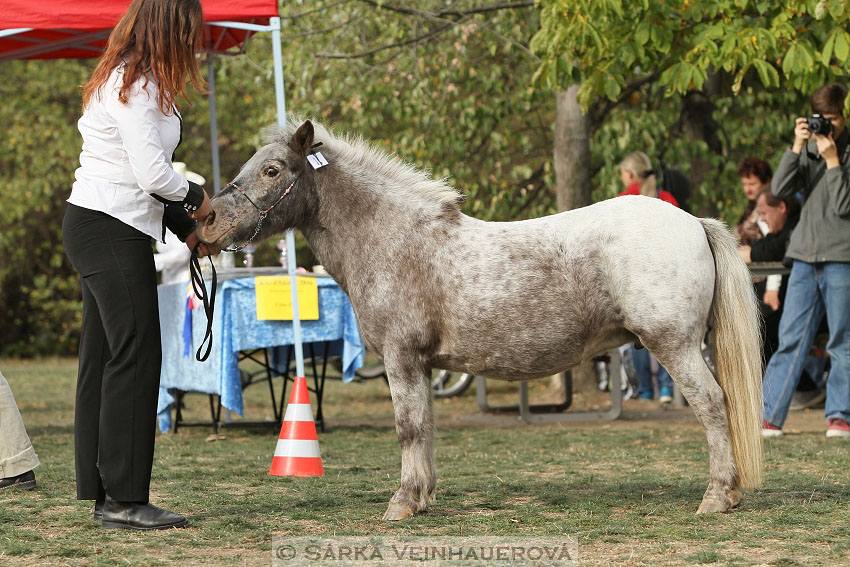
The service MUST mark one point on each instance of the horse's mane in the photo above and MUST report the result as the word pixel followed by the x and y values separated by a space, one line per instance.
pixel 365 160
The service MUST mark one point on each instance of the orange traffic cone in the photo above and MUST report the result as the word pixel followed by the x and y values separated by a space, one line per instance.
pixel 297 451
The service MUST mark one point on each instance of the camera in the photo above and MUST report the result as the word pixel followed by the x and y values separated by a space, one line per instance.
pixel 819 125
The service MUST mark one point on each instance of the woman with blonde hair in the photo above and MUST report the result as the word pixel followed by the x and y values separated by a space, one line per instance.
pixel 125 193
pixel 638 176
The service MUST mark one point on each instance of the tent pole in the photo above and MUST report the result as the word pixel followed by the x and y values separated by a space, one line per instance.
pixel 228 258
pixel 216 159
pixel 274 23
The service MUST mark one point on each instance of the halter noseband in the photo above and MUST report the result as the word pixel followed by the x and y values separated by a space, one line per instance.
pixel 263 213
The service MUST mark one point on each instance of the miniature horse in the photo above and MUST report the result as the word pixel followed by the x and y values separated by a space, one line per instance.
pixel 434 288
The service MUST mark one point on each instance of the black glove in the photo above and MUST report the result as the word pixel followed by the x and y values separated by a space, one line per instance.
pixel 178 221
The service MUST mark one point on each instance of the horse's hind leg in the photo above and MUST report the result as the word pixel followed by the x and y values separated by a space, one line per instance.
pixel 690 372
pixel 410 387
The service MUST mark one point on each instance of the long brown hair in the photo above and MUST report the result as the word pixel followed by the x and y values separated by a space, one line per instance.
pixel 160 37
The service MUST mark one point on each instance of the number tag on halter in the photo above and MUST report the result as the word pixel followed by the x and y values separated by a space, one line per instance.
pixel 317 160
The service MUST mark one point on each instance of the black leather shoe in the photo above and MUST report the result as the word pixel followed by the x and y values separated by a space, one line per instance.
pixel 139 516
pixel 24 481
pixel 98 510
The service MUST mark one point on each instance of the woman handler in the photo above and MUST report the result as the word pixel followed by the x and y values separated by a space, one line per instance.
pixel 126 192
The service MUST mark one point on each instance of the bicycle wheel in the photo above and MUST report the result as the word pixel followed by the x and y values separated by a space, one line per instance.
pixel 446 384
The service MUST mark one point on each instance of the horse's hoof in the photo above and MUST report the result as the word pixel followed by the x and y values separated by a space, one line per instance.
pixel 713 506
pixel 734 496
pixel 396 512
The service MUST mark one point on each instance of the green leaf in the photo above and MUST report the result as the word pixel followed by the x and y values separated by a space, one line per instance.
pixel 642 32
pixel 841 46
pixel 826 55
pixel 837 8
pixel 789 62
pixel 612 87
pixel 767 73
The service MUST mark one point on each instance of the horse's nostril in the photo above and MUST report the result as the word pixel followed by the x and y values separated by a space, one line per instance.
pixel 210 218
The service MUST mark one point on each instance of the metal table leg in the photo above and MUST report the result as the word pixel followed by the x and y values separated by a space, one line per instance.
pixel 481 396
pixel 610 414
pixel 552 413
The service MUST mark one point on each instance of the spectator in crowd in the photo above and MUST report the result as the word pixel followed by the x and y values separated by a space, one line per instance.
pixel 755 175
pixel 780 216
pixel 125 193
pixel 17 457
pixel 819 248
pixel 637 175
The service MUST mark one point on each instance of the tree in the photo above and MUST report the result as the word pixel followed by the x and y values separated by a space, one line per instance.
pixel 735 58
pixel 606 45
pixel 571 153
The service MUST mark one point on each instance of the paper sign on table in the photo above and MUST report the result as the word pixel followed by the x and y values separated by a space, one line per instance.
pixel 274 299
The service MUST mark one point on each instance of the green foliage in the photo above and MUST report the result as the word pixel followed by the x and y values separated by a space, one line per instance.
pixel 454 95
pixel 39 293
pixel 605 44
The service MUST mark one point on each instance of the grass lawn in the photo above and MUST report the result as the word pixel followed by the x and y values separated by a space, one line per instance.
pixel 627 489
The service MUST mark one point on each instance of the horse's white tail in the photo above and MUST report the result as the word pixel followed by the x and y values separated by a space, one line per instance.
pixel 737 351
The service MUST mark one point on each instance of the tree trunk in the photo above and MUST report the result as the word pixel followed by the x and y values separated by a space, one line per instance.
pixel 572 176
pixel 572 152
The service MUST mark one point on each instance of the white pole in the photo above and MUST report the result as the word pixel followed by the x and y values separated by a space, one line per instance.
pixel 227 258
pixel 274 23
pixel 216 159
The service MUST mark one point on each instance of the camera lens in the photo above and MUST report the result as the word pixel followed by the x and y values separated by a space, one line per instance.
pixel 819 125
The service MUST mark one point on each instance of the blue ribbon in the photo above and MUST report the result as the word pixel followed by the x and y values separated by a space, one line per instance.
pixel 187 329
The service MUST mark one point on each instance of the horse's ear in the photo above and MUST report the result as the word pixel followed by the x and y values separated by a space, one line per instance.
pixel 302 139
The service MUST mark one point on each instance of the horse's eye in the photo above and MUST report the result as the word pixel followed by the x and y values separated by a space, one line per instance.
pixel 271 171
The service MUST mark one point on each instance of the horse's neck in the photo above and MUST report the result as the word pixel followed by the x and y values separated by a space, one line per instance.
pixel 358 230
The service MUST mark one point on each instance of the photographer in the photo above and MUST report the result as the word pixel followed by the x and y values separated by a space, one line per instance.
pixel 819 283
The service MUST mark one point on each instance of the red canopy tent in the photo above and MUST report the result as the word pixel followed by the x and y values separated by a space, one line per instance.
pixel 78 29
pixel 75 29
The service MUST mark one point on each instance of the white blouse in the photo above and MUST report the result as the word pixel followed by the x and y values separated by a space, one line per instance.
pixel 126 156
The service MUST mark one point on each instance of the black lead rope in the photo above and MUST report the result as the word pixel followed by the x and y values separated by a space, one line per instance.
pixel 207 297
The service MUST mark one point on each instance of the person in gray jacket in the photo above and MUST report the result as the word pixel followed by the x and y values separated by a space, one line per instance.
pixel 817 166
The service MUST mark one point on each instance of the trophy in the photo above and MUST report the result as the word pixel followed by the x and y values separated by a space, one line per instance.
pixel 281 245
pixel 249 256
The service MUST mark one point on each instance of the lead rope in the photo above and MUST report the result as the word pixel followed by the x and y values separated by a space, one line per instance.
pixel 207 297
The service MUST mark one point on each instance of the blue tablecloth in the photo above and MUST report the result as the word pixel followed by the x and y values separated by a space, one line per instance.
pixel 236 328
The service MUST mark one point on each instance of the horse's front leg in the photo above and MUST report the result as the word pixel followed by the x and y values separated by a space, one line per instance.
pixel 410 386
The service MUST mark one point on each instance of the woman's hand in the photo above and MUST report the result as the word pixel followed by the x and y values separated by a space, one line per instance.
pixel 744 252
pixel 204 210
pixel 203 249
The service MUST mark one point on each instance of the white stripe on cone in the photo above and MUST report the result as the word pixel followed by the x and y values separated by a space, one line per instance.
pixel 296 448
pixel 298 412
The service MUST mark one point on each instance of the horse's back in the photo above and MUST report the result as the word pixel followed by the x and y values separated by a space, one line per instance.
pixel 557 287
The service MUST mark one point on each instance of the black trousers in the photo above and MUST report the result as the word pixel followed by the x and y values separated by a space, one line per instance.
pixel 120 356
